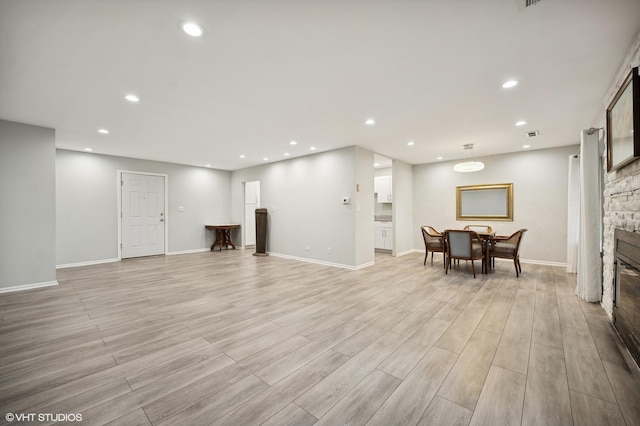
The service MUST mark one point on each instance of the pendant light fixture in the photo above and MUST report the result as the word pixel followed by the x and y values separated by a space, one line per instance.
pixel 470 165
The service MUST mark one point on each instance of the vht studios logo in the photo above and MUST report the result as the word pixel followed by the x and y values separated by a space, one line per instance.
pixel 43 417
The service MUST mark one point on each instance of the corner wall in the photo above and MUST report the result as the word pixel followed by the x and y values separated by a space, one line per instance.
pixel 540 188
pixel 87 216
pixel 28 213
pixel 304 200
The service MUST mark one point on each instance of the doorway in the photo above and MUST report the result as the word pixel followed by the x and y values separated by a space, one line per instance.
pixel 142 214
pixel 251 203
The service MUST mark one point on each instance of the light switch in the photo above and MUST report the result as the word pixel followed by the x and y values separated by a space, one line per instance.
pixel 180 209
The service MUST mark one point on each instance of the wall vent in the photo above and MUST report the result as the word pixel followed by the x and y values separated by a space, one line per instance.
pixel 533 134
pixel 528 3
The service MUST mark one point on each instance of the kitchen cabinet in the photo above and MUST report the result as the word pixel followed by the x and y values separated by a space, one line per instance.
pixel 382 186
pixel 383 235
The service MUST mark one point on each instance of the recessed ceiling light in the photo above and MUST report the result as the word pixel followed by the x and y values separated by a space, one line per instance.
pixel 312 148
pixel 526 146
pixel 438 158
pixel 103 131
pixel 286 154
pixel 265 159
pixel 509 84
pixel 243 156
pixel 376 164
pixel 520 123
pixel 191 28
pixel 370 121
pixel 293 143
pixel 207 165
pixel 132 98
pixel 411 143
pixel 88 149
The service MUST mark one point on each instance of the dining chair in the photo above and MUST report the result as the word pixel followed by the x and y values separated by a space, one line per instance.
pixel 507 248
pixel 463 245
pixel 433 242
pixel 483 229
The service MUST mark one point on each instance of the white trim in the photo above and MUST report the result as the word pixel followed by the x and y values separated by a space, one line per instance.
pixel 406 252
pixel 87 263
pixel 364 265
pixel 27 286
pixel 528 261
pixel 119 173
pixel 200 250
pixel 540 262
pixel 319 262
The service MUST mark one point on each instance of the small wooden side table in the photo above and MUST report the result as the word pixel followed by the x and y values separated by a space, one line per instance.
pixel 223 235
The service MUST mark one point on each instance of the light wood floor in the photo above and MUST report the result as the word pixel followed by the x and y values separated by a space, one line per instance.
pixel 229 338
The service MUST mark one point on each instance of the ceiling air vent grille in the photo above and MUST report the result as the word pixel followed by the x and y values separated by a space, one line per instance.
pixel 533 134
pixel 528 3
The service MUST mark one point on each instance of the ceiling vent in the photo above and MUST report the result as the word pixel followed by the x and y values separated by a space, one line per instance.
pixel 533 134
pixel 528 3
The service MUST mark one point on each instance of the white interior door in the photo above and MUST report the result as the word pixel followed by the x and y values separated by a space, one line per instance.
pixel 251 203
pixel 143 216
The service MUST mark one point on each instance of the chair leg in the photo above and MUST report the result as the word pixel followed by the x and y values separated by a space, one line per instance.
pixel 447 265
pixel 473 268
pixel 515 263
pixel 426 253
pixel 431 258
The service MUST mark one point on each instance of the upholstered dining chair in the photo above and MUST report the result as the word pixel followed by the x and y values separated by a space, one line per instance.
pixel 508 248
pixel 433 242
pixel 483 229
pixel 463 245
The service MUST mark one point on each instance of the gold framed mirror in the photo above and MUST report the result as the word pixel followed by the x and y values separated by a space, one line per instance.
pixel 485 202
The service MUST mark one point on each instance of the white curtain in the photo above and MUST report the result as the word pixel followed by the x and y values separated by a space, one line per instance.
pixel 589 287
pixel 573 214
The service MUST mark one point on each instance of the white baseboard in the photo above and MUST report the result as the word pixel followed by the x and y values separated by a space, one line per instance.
pixel 27 286
pixel 318 262
pixel 404 253
pixel 530 261
pixel 88 263
pixel 540 262
pixel 364 265
pixel 200 250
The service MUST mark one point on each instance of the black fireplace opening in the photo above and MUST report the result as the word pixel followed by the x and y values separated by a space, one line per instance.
pixel 626 306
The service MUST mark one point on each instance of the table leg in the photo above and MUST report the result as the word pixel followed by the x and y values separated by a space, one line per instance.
pixel 227 239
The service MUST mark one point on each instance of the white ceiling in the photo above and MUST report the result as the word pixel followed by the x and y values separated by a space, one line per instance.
pixel 270 71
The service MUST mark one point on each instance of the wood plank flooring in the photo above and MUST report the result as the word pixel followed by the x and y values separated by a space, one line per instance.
pixel 227 338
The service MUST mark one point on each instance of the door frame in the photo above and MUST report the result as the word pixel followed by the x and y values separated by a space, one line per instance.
pixel 119 173
pixel 244 209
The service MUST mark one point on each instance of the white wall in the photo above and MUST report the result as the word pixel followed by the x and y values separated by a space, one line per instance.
pixel 304 201
pixel 86 205
pixel 403 228
pixel 27 216
pixel 364 205
pixel 539 180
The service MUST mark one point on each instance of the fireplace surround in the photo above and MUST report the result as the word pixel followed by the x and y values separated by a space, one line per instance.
pixel 626 307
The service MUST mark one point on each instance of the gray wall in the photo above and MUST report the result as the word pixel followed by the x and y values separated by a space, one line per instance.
pixel 540 198
pixel 403 229
pixel 28 213
pixel 87 223
pixel 304 199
